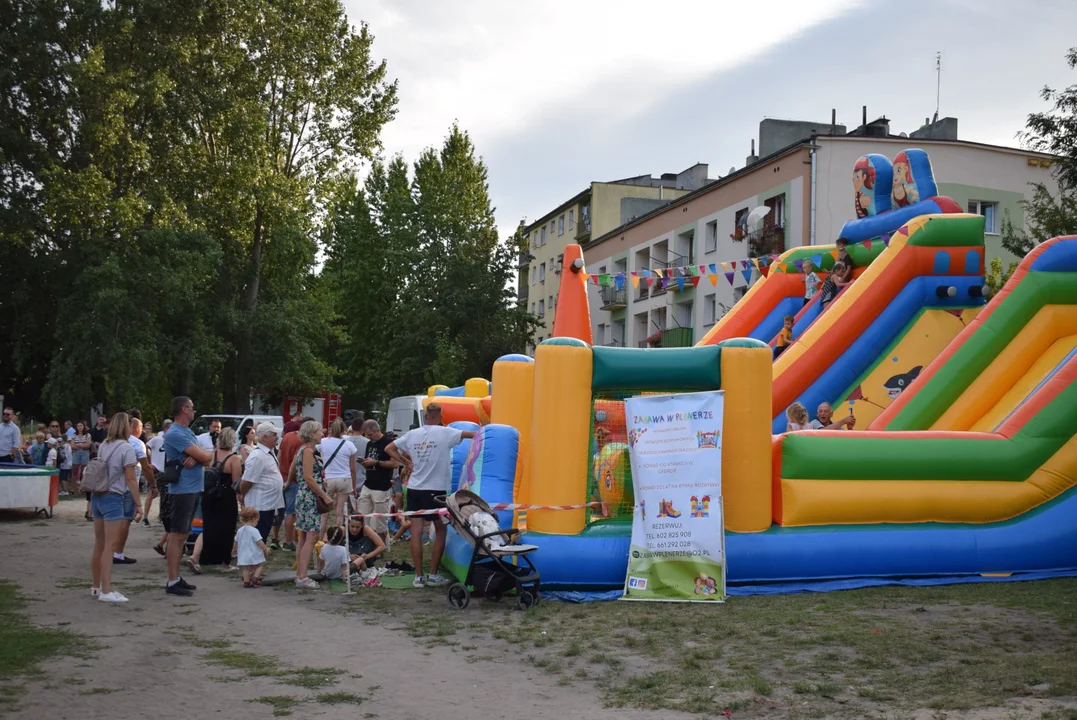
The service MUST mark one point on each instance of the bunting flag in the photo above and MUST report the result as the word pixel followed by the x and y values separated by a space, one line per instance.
pixel 702 270
pixel 867 244
pixel 675 276
pixel 619 282
pixel 817 260
pixel 728 275
pixel 743 264
pixel 714 270
pixel 680 284
pixel 886 241
pixel 635 281
pixel 658 272
pixel 695 280
pixel 747 273
pixel 834 254
pixel 799 264
pixel 650 281
pixel 713 277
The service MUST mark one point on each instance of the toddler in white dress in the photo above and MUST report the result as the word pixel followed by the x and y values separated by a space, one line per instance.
pixel 250 549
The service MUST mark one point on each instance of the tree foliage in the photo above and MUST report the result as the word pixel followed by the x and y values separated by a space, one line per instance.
pixel 165 170
pixel 423 282
pixel 1049 214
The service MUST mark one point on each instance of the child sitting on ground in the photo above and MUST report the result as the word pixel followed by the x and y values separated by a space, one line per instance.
pixel 364 545
pixel 832 285
pixel 785 337
pixel 250 549
pixel 797 415
pixel 333 556
pixel 811 281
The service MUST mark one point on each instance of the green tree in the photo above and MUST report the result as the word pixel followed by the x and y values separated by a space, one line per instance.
pixel 1049 214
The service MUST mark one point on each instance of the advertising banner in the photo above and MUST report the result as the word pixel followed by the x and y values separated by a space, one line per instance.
pixel 678 542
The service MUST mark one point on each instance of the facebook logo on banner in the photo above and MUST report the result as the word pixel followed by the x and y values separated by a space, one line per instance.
pixel 637 583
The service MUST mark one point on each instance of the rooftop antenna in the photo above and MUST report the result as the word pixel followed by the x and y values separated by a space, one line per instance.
pixel 938 85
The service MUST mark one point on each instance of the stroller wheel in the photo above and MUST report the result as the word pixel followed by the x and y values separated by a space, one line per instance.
pixel 459 597
pixel 527 599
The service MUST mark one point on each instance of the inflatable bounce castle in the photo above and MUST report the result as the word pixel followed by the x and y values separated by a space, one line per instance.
pixel 963 465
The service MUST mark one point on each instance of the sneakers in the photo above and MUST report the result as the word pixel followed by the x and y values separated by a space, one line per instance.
pixel 64 493
pixel 274 545
pixel 186 585
pixel 123 561
pixel 145 522
pixel 306 584
pixel 112 597
pixel 418 582
pixel 435 580
pixel 290 547
pixel 178 589
pixel 159 550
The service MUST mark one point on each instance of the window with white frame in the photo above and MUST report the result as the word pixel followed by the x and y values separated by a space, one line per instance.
pixel 553 224
pixel 542 273
pixel 550 303
pixel 561 225
pixel 990 212
pixel 711 237
pixel 542 236
pixel 571 219
pixel 542 308
pixel 710 309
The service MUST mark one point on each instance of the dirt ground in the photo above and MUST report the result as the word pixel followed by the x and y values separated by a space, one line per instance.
pixel 147 666
pixel 239 653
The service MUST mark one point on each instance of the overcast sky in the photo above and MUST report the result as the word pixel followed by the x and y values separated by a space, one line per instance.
pixel 556 94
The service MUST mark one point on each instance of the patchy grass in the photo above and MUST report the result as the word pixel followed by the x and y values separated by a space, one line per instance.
pixel 255 665
pixel 282 704
pixel 24 646
pixel 340 698
pixel 97 691
pixel 883 652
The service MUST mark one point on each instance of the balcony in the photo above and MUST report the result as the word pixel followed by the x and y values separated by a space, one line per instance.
pixel 768 241
pixel 677 337
pixel 614 299
pixel 583 229
pixel 613 343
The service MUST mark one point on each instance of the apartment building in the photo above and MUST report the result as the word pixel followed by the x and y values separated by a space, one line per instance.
pixel 807 184
pixel 593 212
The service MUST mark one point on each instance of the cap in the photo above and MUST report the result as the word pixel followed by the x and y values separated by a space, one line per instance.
pixel 265 428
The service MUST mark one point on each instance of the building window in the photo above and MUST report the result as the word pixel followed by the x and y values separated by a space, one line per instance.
pixel 712 237
pixel 534 240
pixel 740 221
pixel 709 309
pixel 571 219
pixel 542 273
pixel 776 217
pixel 990 212
pixel 550 303
pixel 542 241
pixel 600 334
pixel 739 292
pixel 561 225
pixel 552 224
pixel 542 309
pixel 532 308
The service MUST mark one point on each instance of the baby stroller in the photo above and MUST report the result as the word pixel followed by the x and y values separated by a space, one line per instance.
pixel 488 573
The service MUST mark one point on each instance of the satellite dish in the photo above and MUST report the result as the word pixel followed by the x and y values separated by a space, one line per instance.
pixel 732 169
pixel 755 217
pixel 904 135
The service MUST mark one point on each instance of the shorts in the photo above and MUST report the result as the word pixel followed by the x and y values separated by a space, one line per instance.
pixel 165 507
pixel 424 500
pixel 338 486
pixel 375 501
pixel 289 505
pixel 184 507
pixel 107 506
pixel 398 485
pixel 128 506
pixel 65 475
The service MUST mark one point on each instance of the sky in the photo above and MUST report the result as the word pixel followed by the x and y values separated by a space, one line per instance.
pixel 556 94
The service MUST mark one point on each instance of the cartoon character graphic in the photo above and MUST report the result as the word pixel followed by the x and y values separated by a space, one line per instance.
pixel 705 501
pixel 468 478
pixel 700 507
pixel 708 440
pixel 634 435
pixel 705 585
pixel 699 585
pixel 613 475
pixel 895 385
pixel 904 190
pixel 863 183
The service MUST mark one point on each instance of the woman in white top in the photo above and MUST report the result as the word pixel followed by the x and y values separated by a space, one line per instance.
pixel 339 454
pixel 107 507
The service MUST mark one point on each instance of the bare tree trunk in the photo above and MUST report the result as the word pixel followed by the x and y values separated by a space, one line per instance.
pixel 243 356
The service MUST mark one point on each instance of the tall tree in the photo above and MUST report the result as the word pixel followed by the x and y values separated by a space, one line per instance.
pixel 1049 214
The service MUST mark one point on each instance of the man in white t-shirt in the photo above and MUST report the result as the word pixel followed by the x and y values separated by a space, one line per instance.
pixel 429 460
pixel 156 447
pixel 208 440
pixel 142 467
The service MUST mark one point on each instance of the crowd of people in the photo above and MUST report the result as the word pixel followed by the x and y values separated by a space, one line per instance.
pixel 318 486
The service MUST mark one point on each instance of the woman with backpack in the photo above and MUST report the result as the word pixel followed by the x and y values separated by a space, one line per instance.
pixel 108 477
pixel 220 506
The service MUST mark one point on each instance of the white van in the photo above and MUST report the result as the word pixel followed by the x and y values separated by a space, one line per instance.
pixel 405 413
pixel 239 423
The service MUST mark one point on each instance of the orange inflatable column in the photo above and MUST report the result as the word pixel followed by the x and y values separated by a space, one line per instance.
pixel 573 316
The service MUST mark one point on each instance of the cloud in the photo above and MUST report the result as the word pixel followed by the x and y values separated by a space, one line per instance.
pixel 556 94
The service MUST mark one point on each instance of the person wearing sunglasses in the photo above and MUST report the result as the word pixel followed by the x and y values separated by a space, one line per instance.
pixel 10 437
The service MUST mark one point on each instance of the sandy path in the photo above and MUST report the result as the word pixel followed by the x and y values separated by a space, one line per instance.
pixel 154 670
